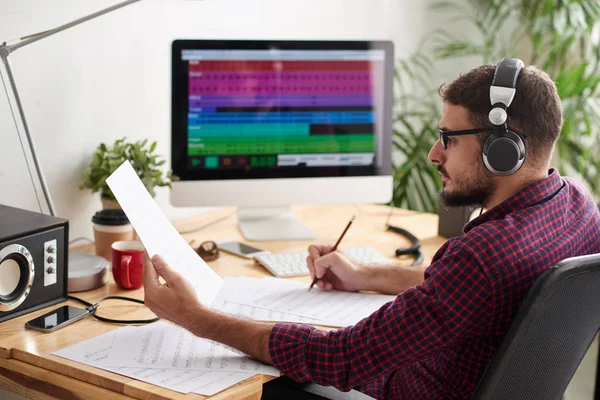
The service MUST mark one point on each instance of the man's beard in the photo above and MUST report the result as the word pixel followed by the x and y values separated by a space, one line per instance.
pixel 472 191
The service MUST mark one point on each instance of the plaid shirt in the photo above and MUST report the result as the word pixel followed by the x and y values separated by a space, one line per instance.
pixel 435 340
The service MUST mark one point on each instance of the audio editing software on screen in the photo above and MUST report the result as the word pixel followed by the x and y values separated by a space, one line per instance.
pixel 266 108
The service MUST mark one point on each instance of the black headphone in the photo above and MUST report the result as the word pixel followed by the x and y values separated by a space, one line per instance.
pixel 504 150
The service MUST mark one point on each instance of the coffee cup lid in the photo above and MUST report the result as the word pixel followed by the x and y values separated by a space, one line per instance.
pixel 110 217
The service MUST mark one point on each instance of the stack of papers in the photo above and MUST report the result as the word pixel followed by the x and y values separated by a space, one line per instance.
pixel 167 356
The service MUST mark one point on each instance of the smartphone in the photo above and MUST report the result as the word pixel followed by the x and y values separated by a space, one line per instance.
pixel 241 249
pixel 57 319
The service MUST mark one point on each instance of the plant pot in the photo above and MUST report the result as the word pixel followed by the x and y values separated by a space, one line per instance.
pixel 108 204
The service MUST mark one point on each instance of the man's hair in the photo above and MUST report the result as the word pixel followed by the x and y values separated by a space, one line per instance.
pixel 536 110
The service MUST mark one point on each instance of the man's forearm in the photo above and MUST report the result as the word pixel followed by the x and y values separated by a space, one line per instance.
pixel 250 337
pixel 392 279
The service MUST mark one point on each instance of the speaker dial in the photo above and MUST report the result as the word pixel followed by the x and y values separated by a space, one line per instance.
pixel 17 271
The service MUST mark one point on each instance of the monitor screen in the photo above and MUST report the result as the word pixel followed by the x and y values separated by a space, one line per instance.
pixel 280 109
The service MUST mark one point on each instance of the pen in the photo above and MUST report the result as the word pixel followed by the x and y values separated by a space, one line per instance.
pixel 334 248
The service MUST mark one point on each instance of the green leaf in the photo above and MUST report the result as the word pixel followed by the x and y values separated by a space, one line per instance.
pixel 105 160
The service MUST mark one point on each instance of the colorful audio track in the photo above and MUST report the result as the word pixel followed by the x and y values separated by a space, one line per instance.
pixel 254 107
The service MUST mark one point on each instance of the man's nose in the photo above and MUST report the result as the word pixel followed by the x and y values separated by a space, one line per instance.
pixel 436 154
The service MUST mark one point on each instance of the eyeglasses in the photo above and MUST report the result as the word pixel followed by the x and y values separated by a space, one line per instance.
pixel 445 134
pixel 208 250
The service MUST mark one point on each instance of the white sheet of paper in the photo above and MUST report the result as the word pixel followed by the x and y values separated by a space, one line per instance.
pixel 245 311
pixel 228 379
pixel 158 235
pixel 94 351
pixel 161 345
pixel 293 297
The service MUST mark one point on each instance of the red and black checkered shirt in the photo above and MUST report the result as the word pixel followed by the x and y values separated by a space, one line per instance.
pixel 435 340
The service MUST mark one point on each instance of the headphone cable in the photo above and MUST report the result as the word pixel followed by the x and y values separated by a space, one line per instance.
pixel 92 308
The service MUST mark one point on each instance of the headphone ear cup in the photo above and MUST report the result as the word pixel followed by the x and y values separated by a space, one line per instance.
pixel 503 154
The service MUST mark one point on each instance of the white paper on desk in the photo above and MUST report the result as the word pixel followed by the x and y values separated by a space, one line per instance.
pixel 293 297
pixel 158 234
pixel 232 285
pixel 161 345
pixel 94 351
pixel 245 311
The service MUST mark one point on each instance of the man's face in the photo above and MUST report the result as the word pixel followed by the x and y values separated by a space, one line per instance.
pixel 465 180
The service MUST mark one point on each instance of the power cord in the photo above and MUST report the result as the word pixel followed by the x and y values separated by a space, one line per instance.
pixel 415 247
pixel 86 239
pixel 207 224
pixel 92 308
pixel 77 239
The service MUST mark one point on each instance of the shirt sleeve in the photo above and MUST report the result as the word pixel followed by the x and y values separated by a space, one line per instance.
pixel 453 303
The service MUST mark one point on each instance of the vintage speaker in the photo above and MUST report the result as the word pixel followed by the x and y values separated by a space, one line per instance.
pixel 33 261
pixel 453 219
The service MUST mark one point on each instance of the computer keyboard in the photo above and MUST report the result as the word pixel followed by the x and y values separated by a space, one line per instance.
pixel 284 265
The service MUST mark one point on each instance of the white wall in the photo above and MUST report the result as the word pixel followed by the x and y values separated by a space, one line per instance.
pixel 110 77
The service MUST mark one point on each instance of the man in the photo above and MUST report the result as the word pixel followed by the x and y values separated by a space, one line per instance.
pixel 438 336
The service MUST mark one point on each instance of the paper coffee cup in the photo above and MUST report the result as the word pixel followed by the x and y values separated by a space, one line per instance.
pixel 110 226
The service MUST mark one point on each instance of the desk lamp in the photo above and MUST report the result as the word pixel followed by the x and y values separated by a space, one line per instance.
pixel 81 267
pixel 5 50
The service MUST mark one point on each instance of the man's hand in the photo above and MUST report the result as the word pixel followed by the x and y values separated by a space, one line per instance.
pixel 174 300
pixel 334 270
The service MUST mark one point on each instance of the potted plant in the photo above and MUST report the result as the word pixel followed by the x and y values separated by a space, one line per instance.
pixel 107 159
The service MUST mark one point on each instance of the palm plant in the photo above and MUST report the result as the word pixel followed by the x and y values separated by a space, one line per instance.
pixel 416 116
pixel 561 37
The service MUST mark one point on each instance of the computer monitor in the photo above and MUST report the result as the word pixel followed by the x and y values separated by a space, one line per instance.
pixel 264 124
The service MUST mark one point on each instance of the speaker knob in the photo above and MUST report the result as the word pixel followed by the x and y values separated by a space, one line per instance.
pixel 51 249
pixel 51 260
pixel 50 270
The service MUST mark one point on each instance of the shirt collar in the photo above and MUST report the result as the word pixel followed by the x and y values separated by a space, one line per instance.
pixel 528 196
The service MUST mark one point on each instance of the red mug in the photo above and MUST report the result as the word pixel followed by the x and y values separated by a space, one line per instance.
pixel 128 259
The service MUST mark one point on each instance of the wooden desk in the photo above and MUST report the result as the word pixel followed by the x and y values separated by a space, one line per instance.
pixel 27 366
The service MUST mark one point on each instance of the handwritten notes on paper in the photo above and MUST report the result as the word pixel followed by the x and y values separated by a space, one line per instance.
pixel 291 298
pixel 171 357
pixel 158 234
pixel 161 345
pixel 95 351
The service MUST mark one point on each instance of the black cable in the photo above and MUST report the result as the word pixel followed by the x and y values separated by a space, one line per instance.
pixel 415 247
pixel 92 308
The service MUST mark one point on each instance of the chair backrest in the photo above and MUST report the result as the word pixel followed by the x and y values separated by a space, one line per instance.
pixel 549 336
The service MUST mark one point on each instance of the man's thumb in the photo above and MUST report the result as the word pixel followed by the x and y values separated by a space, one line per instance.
pixel 163 269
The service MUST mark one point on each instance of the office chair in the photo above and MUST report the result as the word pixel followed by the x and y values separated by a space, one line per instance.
pixel 549 336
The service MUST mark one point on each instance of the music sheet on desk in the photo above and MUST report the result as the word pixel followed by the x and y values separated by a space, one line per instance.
pixel 158 235
pixel 245 311
pixel 161 345
pixel 94 351
pixel 345 308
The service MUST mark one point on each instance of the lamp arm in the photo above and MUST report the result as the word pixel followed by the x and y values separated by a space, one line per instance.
pixel 13 86
pixel 41 35
pixel 5 51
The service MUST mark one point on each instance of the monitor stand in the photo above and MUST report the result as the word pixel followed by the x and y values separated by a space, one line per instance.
pixel 272 223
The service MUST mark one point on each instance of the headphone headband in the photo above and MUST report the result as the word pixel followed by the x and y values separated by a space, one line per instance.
pixel 504 151
pixel 503 89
